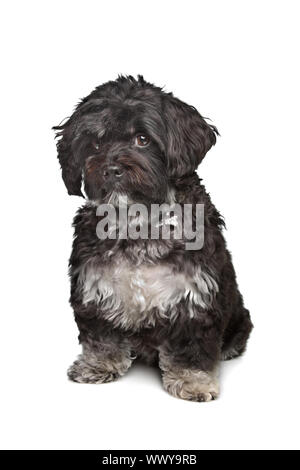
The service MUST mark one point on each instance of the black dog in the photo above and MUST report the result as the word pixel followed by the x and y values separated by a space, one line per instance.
pixel 147 297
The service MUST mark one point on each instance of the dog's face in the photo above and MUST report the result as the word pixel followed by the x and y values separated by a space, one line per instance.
pixel 129 137
pixel 122 151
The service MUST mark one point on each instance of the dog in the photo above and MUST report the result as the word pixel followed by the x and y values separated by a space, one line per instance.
pixel 131 143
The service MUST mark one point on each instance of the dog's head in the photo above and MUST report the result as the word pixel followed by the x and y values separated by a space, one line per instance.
pixel 130 137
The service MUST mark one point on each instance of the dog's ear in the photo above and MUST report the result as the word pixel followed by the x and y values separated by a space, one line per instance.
pixel 70 162
pixel 189 137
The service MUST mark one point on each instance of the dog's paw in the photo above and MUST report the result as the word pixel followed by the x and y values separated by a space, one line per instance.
pixel 191 385
pixel 232 353
pixel 203 396
pixel 82 372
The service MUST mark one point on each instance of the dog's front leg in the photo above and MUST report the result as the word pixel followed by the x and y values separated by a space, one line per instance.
pixel 106 355
pixel 190 367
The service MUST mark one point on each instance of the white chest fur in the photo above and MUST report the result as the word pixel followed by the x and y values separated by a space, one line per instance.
pixel 130 295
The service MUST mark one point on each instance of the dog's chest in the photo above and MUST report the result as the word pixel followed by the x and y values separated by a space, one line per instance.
pixel 132 295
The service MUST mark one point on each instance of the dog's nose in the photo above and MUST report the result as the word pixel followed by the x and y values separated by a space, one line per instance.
pixel 112 171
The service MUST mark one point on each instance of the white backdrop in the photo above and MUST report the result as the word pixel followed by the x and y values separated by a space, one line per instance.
pixel 238 63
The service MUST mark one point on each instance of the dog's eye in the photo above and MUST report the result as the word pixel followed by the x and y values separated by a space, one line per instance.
pixel 96 145
pixel 142 140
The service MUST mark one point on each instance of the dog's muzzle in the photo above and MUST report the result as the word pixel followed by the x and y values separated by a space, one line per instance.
pixel 112 173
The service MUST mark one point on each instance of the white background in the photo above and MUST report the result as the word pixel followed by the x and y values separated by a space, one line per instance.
pixel 238 63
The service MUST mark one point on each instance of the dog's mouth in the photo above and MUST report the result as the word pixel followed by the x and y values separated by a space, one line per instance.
pixel 118 195
pixel 107 190
pixel 114 195
pixel 144 194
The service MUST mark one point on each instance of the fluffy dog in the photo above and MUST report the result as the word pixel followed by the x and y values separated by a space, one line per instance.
pixel 147 298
